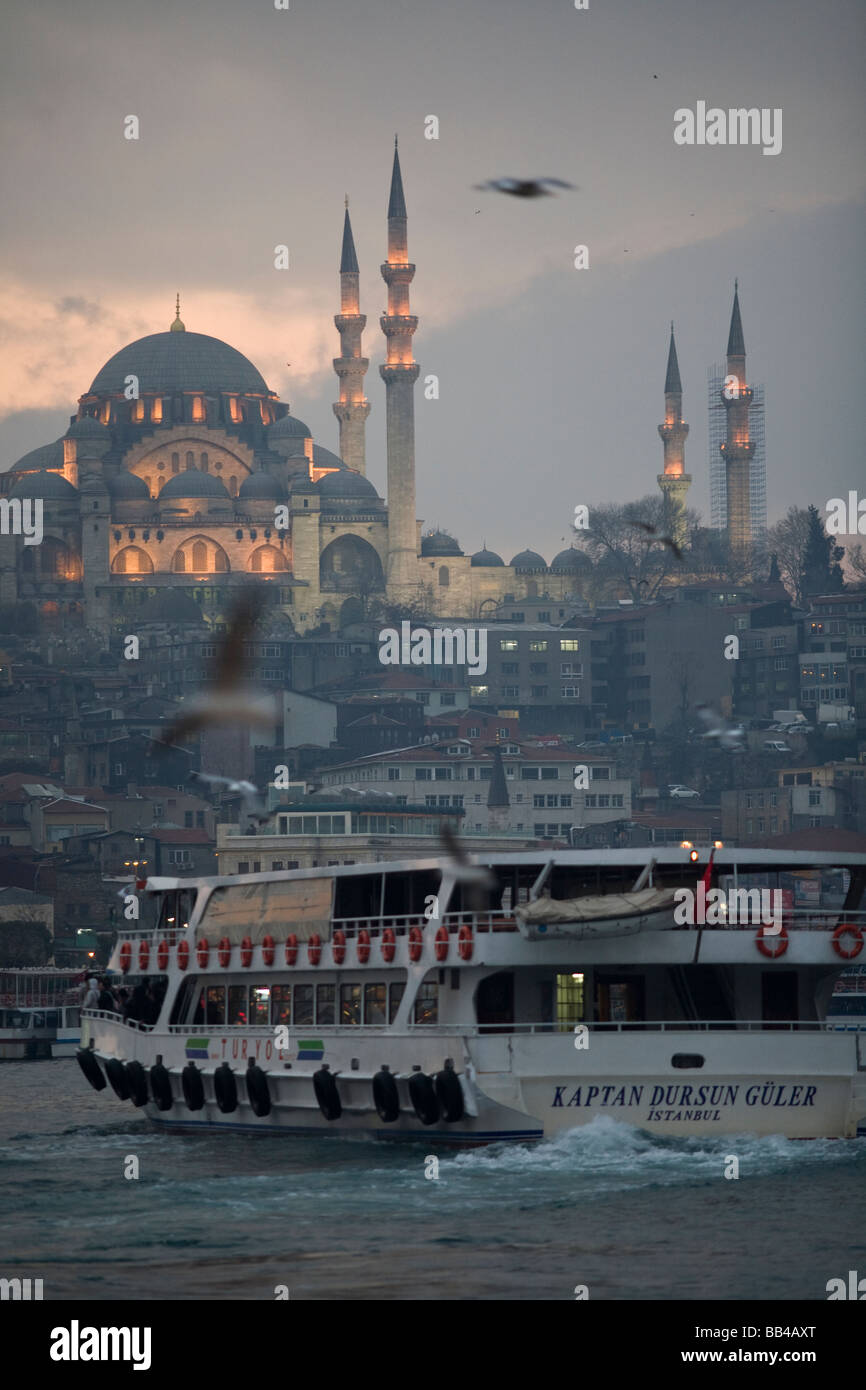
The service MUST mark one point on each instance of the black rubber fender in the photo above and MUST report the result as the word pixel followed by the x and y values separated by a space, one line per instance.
pixel 449 1094
pixel 258 1091
pixel 116 1073
pixel 327 1094
pixel 160 1086
pixel 225 1089
pixel 385 1097
pixel 422 1094
pixel 193 1087
pixel 136 1080
pixel 89 1064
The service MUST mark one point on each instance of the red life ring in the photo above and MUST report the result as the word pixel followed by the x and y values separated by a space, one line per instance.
pixel 443 941
pixel 363 946
pixel 224 951
pixel 143 956
pixel 162 955
pixel 847 929
pixel 246 952
pixel 416 943
pixel 202 953
pixel 389 944
pixel 464 942
pixel 182 955
pixel 763 938
pixel 125 956
pixel 291 949
pixel 268 949
pixel 339 947
pixel 314 949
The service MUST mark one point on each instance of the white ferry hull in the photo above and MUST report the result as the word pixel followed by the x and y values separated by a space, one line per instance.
pixel 531 1086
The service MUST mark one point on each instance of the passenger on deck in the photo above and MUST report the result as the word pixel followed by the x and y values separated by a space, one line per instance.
pixel 91 998
pixel 106 999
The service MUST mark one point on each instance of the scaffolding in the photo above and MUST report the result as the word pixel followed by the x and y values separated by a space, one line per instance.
pixel 758 471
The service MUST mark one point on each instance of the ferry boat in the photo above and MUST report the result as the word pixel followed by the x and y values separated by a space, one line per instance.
pixel 403 1000
pixel 39 1013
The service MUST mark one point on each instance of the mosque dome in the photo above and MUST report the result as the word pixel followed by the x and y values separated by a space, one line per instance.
pixel 179 361
pixel 88 427
pixel 126 487
pixel 529 560
pixel 486 557
pixel 49 486
pixel 570 561
pixel 288 427
pixel 346 483
pixel 193 483
pixel 262 487
pixel 46 456
pixel 440 543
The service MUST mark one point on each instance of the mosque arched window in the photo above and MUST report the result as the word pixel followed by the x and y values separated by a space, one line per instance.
pixel 444 577
pixel 178 564
pixel 156 410
pixel 190 459
pixel 198 413
pixel 132 560
pixel 175 463
pixel 199 555
pixel 138 410
pixel 203 462
pixel 267 559
pixel 220 562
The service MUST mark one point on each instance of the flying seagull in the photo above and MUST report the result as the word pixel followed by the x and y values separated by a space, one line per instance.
pixel 716 726
pixel 661 540
pixel 254 802
pixel 523 188
pixel 476 880
pixel 227 700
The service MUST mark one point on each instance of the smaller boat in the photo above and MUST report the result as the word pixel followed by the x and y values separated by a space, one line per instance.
pixel 598 915
pixel 39 1014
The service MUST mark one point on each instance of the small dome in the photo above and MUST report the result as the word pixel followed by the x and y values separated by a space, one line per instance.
pixel 262 487
pixel 88 427
pixel 126 487
pixel 193 483
pixel 440 543
pixel 347 483
pixel 46 456
pixel 48 486
pixel 570 561
pixel 486 557
pixel 529 560
pixel 288 427
pixel 323 458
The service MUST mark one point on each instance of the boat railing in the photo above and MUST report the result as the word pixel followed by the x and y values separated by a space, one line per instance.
pixel 494 920
pixel 679 1025
pixel 113 1017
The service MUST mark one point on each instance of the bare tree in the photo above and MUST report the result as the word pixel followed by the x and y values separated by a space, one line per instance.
pixel 789 541
pixel 856 557
pixel 626 552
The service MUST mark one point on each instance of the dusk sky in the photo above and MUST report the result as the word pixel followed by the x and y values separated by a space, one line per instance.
pixel 254 124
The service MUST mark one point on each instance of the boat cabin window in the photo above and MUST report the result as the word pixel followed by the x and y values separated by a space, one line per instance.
pixel 396 991
pixel 570 1001
pixel 385 894
pixel 260 1004
pixel 427 1004
pixel 619 999
pixel 350 1003
pixel 374 1003
pixel 175 909
pixel 303 1005
pixel 325 1004
pixel 281 1004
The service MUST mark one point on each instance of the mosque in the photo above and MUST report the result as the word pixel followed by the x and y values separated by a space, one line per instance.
pixel 182 476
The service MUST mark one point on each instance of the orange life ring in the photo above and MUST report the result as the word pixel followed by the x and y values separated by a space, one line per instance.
pixel 291 949
pixel 182 955
pixel 389 944
pixel 125 956
pixel 464 942
pixel 246 952
pixel 442 941
pixel 202 952
pixel 847 929
pixel 339 947
pixel 224 951
pixel 363 946
pixel 314 949
pixel 268 949
pixel 416 943
pixel 763 938
pixel 143 955
pixel 162 955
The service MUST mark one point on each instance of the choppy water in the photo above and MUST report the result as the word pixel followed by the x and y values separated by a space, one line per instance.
pixel 233 1215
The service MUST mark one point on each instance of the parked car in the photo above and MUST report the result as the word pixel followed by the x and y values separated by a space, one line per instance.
pixel 681 793
pixel 776 745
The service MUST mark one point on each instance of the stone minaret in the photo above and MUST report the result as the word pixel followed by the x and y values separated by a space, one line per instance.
pixel 737 450
pixel 674 481
pixel 353 407
pixel 399 373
